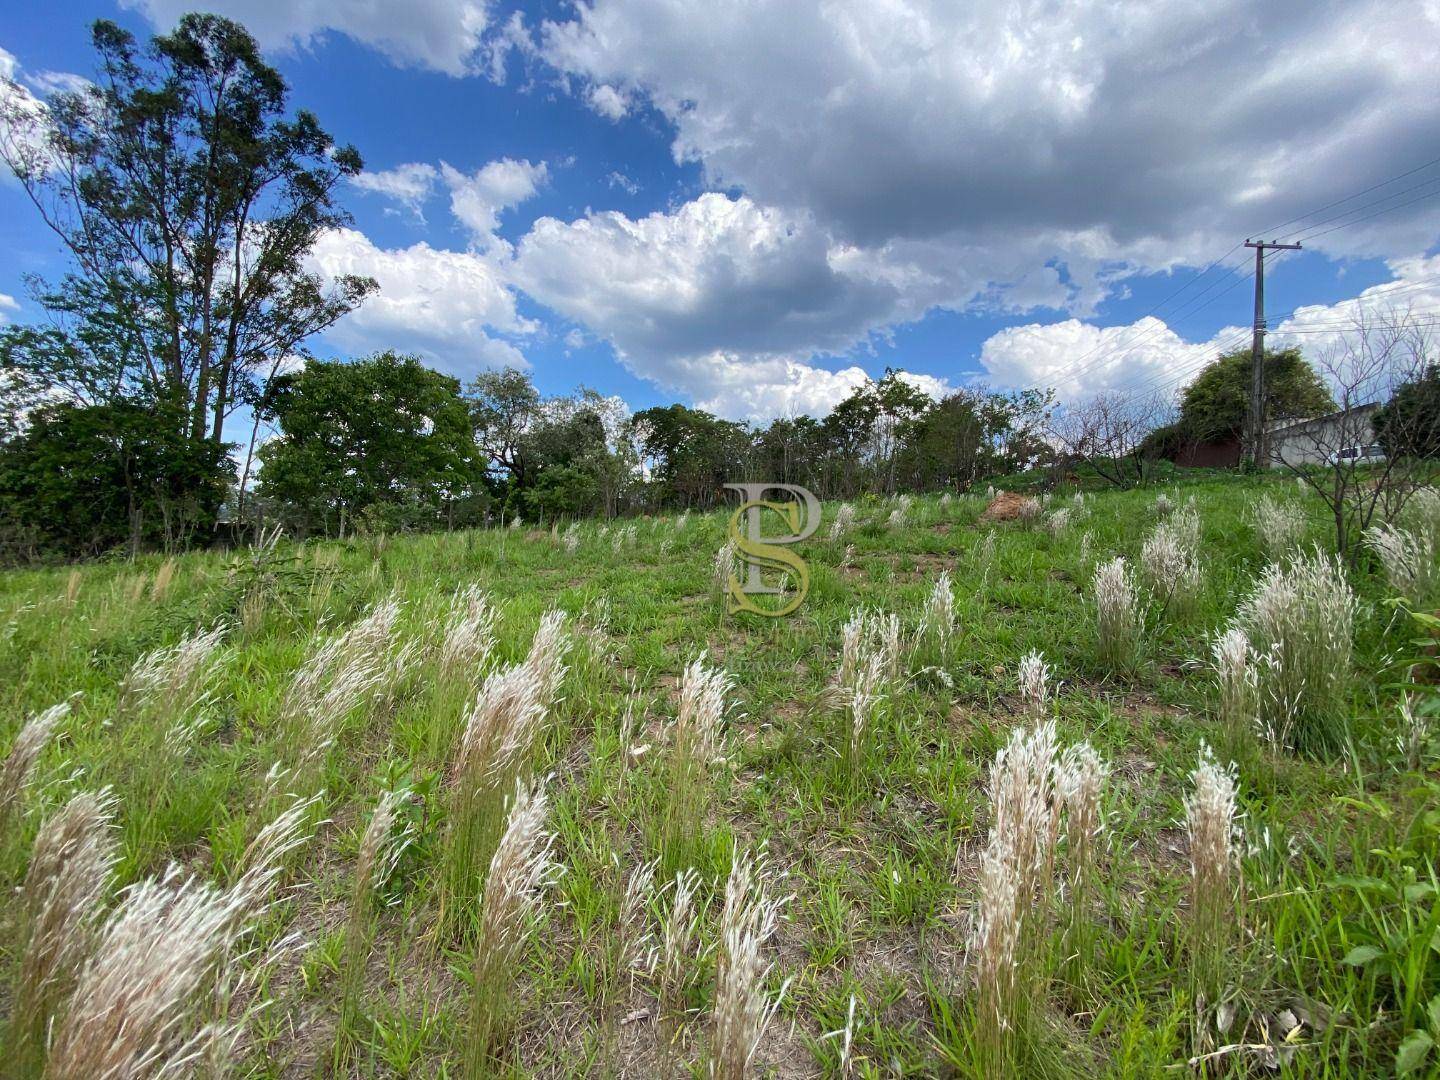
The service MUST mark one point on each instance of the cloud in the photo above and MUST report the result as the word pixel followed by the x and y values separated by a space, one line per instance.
pixel 7 305
pixel 720 299
pixel 608 102
pixel 478 199
pixel 443 35
pixel 409 185
pixel 1095 135
pixel 1079 359
pixel 51 82
pixel 623 182
pixel 441 304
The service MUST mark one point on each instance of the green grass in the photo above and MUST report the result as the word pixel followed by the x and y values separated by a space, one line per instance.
pixel 1338 952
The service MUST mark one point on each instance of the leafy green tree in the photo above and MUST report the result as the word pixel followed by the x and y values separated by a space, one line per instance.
pixel 188 200
pixel 691 453
pixel 1214 406
pixel 384 440
pixel 82 479
pixel 1408 425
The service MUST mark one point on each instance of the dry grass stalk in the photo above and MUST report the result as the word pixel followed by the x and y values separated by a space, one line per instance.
pixel 380 849
pixel 1410 559
pixel 742 1007
pixel 1033 677
pixel 546 659
pixel 570 539
pixel 1236 677
pixel 1029 511
pixel 18 768
pixel 1011 921
pixel 495 745
pixel 72 588
pixel 356 668
pixel 725 566
pixel 843 523
pixel 69 876
pixel 158 956
pixel 696 747
pixel 164 576
pixel 1210 826
pixel 173 681
pixel 266 858
pixel 864 696
pixel 1058 521
pixel 1300 617
pixel 1117 613
pixel 469 636
pixel 938 618
pixel 1279 524
pixel 678 931
pixel 1170 559
pixel 1079 783
pixel 520 869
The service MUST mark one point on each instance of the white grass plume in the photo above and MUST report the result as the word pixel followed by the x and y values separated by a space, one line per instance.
pixel 520 869
pixel 938 618
pixel 1301 616
pixel 1034 678
pixel 469 635
pixel 1279 524
pixel 174 680
pixel 134 1009
pixel 843 523
pixel 1410 559
pixel 1210 826
pixel 70 873
pixel 742 1007
pixel 18 768
pixel 1117 614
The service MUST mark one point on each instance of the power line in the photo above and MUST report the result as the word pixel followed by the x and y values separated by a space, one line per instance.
pixel 1348 198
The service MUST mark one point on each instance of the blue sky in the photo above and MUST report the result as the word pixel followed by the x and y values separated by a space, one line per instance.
pixel 750 206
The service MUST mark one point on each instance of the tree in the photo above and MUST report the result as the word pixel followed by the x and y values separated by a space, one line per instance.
pixel 1215 405
pixel 503 406
pixel 384 439
pixel 1110 433
pixel 691 452
pixel 1408 425
pixel 82 479
pixel 188 202
pixel 1373 361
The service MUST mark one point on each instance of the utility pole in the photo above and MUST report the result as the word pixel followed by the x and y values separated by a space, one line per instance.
pixel 1255 450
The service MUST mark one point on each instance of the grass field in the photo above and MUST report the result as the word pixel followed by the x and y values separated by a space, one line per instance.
pixel 348 940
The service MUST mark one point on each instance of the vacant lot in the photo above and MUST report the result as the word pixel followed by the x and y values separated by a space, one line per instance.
pixel 273 840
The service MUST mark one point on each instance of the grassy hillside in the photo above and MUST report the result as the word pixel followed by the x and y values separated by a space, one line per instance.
pixel 351 954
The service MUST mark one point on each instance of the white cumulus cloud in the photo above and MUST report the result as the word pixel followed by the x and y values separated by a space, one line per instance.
pixel 478 199
pixel 444 305
pixel 443 35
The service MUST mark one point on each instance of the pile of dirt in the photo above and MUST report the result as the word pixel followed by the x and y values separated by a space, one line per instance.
pixel 1007 506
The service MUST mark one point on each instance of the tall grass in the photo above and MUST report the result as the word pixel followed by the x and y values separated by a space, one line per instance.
pixel 1279 525
pixel 1300 617
pixel 19 764
pixel 742 1006
pixel 1170 561
pixel 1007 953
pixel 520 869
pixel 1410 558
pixel 696 747
pixel 380 848
pixel 136 1008
pixel 1214 892
pixel 1117 615
pixel 60 907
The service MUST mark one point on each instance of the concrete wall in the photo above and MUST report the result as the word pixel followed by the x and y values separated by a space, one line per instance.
pixel 1311 442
